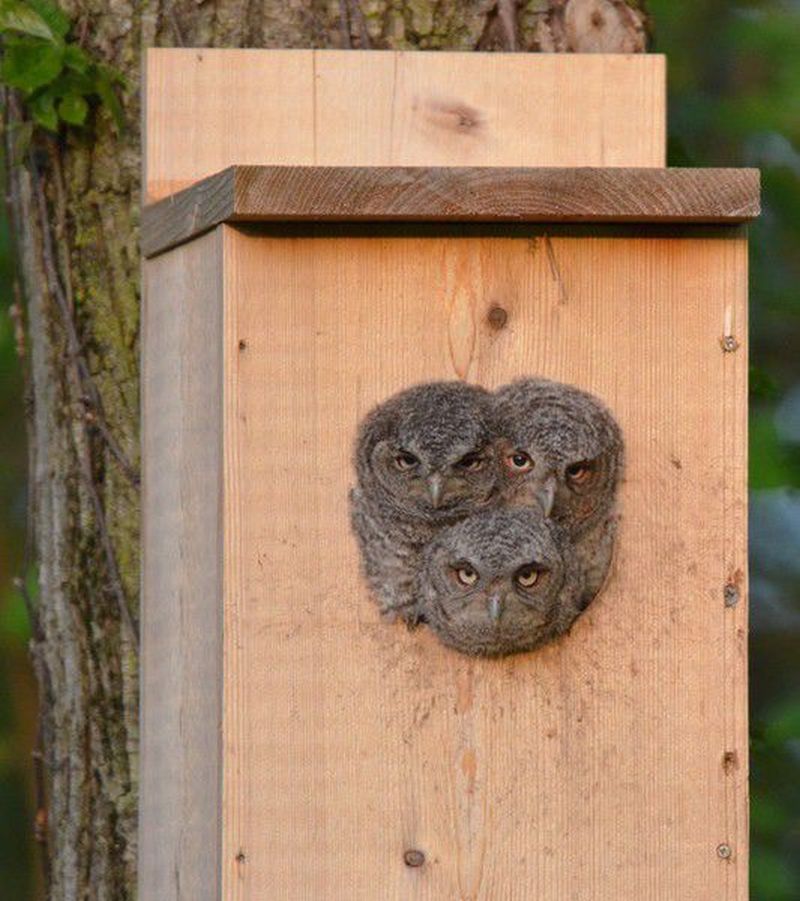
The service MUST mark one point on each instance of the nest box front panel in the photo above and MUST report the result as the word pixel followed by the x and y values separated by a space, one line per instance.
pixel 365 760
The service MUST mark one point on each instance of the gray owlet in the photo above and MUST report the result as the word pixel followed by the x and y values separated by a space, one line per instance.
pixel 500 582
pixel 424 458
pixel 562 449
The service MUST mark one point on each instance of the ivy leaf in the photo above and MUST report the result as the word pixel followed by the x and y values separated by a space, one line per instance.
pixel 55 17
pixel 59 79
pixel 75 58
pixel 20 17
pixel 29 64
pixel 73 109
pixel 43 109
pixel 108 96
pixel 71 82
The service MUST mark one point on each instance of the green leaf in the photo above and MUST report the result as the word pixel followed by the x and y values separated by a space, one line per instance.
pixel 43 109
pixel 73 109
pixel 29 64
pixel 71 82
pixel 76 58
pixel 55 17
pixel 19 17
pixel 109 99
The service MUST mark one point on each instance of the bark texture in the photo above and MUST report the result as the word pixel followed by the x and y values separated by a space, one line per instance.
pixel 75 204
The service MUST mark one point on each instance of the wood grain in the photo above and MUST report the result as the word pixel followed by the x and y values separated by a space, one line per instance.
pixel 336 194
pixel 609 766
pixel 181 663
pixel 210 109
pixel 600 767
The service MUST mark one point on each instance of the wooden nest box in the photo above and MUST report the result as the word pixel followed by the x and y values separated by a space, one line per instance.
pixel 324 229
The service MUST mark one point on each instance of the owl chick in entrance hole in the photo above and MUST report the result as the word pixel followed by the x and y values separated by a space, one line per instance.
pixel 424 459
pixel 562 451
pixel 500 582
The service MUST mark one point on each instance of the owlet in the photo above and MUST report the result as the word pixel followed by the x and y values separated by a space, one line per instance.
pixel 424 458
pixel 500 582
pixel 562 450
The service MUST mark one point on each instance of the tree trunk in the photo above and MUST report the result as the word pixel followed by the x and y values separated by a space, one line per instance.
pixel 75 205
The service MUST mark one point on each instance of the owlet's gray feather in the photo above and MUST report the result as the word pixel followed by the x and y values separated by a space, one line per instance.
pixel 562 450
pixel 500 582
pixel 423 459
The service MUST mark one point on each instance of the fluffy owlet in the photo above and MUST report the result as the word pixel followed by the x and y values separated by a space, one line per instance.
pixel 424 458
pixel 562 450
pixel 500 582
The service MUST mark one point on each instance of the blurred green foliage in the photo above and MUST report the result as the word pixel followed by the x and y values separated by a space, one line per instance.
pixel 734 76
pixel 734 99
pixel 55 76
pixel 17 695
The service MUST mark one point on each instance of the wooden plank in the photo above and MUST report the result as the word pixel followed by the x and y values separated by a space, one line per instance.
pixel 733 572
pixel 206 110
pixel 336 194
pixel 179 835
pixel 610 765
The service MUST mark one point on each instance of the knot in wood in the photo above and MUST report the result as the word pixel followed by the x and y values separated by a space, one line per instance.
pixel 497 317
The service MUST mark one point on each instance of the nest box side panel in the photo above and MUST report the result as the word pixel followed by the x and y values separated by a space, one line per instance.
pixel 362 760
pixel 181 671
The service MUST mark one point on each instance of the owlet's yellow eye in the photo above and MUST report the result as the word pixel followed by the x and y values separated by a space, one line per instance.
pixel 580 473
pixel 466 574
pixel 527 576
pixel 519 461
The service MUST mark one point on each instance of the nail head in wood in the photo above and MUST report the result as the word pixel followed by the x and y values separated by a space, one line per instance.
pixel 731 594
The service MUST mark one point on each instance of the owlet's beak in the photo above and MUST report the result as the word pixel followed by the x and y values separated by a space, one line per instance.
pixel 435 489
pixel 495 607
pixel 546 493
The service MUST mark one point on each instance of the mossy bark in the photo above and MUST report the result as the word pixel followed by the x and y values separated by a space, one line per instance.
pixel 75 203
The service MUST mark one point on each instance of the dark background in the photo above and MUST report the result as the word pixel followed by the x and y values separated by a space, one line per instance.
pixel 734 79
